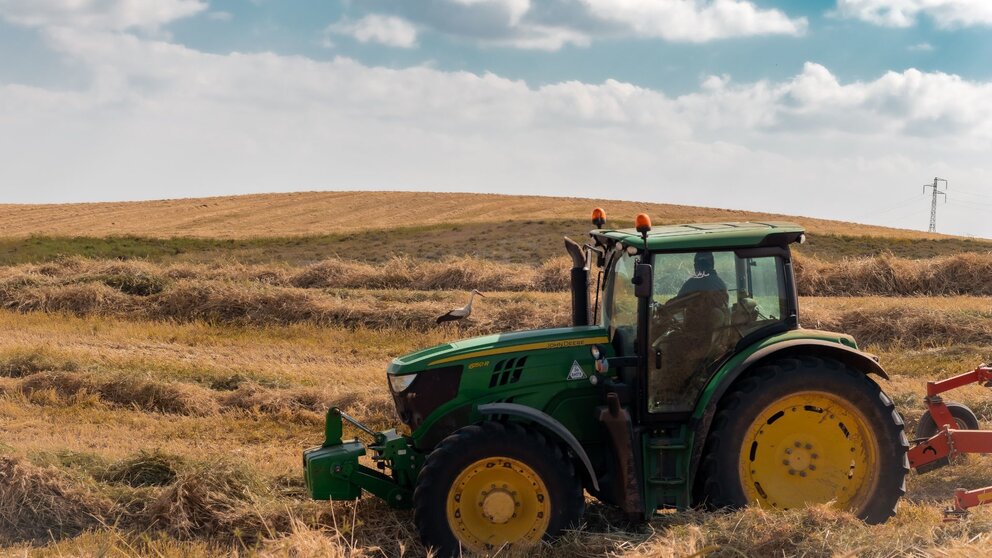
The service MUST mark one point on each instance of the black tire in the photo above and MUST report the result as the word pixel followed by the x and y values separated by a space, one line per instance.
pixel 471 444
pixel 720 482
pixel 927 427
pixel 964 416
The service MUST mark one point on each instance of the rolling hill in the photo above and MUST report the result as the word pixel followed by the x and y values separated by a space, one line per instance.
pixel 323 213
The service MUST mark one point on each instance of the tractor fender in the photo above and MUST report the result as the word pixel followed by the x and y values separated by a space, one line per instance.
pixel 550 424
pixel 859 360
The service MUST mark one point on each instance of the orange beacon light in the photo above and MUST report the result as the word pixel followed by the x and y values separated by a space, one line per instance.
pixel 642 223
pixel 598 217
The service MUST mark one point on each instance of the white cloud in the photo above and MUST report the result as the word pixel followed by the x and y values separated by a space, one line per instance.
pixel 904 106
pixel 554 24
pixel 696 21
pixel 905 13
pixel 489 23
pixel 375 28
pixel 99 14
pixel 162 120
pixel 920 47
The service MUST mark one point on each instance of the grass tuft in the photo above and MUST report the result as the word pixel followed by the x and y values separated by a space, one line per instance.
pixel 23 361
pixel 147 468
pixel 147 395
pixel 38 504
pixel 219 500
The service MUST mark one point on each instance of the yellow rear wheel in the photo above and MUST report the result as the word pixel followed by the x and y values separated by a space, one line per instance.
pixel 802 431
pixel 809 447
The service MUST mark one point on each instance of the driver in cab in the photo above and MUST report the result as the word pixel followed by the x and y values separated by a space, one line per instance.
pixel 687 343
pixel 705 280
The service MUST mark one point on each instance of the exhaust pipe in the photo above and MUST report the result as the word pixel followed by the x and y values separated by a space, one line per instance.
pixel 579 283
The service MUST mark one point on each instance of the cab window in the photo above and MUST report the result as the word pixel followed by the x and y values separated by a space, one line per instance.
pixel 703 304
pixel 620 304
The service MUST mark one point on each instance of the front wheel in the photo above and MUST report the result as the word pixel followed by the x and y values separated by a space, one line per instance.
pixel 806 431
pixel 494 486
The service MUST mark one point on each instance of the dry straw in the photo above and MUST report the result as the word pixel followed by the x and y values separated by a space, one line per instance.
pixel 300 405
pixel 77 285
pixel 40 504
pixel 886 275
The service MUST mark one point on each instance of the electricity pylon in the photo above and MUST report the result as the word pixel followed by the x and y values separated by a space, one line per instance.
pixel 933 203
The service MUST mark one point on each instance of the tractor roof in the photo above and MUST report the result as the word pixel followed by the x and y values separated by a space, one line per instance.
pixel 709 235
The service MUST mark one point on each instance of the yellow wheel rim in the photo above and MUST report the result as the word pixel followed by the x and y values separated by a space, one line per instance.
pixel 498 501
pixel 809 448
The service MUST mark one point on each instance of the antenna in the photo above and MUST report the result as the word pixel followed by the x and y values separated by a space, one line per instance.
pixel 933 204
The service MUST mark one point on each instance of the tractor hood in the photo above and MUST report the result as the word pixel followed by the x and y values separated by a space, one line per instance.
pixel 433 382
pixel 467 351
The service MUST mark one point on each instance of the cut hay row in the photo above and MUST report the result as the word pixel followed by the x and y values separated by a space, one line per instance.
pixel 906 324
pixel 961 274
pixel 143 278
pixel 297 405
pixel 242 304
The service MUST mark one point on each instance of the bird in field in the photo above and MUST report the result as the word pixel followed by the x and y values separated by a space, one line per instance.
pixel 460 313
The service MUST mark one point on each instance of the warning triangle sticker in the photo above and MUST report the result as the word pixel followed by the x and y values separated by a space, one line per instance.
pixel 576 372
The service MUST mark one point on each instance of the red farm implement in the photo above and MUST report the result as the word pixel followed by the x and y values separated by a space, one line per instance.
pixel 947 430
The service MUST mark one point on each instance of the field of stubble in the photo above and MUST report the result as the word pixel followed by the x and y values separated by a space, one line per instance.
pixel 157 405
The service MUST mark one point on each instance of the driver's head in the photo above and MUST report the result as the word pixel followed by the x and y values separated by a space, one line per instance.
pixel 703 262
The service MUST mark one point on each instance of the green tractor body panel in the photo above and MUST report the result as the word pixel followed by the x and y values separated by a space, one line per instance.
pixel 439 390
pixel 544 369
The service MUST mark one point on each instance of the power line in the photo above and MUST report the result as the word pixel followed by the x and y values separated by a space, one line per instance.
pixel 901 205
pixel 974 194
pixel 933 204
pixel 970 204
pixel 898 205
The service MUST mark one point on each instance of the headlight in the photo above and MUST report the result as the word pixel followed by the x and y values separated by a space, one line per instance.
pixel 400 383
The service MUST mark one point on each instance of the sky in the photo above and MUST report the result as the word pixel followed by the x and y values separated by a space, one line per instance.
pixel 840 109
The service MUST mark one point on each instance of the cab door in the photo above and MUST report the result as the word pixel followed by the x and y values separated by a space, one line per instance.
pixel 703 305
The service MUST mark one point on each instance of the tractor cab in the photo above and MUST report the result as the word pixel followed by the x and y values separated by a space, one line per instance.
pixel 677 304
pixel 711 288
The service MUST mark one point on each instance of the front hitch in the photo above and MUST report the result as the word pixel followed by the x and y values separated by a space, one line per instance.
pixel 332 471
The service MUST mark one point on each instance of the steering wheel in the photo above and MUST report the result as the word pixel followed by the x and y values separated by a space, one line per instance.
pixel 663 317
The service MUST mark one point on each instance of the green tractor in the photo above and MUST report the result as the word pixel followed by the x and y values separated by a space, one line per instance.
pixel 688 382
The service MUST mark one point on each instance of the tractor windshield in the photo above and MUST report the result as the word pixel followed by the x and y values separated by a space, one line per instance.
pixel 704 304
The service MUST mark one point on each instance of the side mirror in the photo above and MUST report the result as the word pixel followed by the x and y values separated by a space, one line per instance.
pixel 642 280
